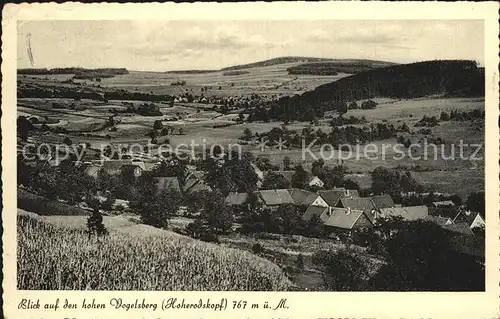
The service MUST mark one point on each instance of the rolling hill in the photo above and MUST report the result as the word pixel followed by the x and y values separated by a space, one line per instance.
pixel 453 78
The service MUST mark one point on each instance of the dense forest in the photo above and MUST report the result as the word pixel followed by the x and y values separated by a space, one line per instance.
pixel 78 72
pixel 334 67
pixel 450 78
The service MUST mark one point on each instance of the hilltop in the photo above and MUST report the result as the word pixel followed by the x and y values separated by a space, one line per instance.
pixel 451 78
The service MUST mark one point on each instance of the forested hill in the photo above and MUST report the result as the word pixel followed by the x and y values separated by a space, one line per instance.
pixel 274 61
pixel 461 78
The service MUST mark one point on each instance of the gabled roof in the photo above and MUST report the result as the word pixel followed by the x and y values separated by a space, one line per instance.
pixel 343 218
pixel 331 196
pixel 363 180
pixel 461 228
pixel 167 182
pixel 364 204
pixel 438 220
pixel 466 216
pixel 287 174
pixel 234 198
pixel 408 213
pixel 113 165
pixel 315 211
pixel 302 197
pixel 274 197
pixel 90 169
pixel 382 201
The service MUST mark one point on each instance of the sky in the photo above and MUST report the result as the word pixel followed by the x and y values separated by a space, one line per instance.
pixel 161 45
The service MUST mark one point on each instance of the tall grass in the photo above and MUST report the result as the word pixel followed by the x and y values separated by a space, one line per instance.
pixel 56 258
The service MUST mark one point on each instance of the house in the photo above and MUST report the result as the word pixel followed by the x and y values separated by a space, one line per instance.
pixel 473 219
pixel 302 197
pixel 346 219
pixel 274 198
pixel 163 183
pixel 444 203
pixel 409 213
pixel 316 211
pixel 460 228
pixel 382 201
pixel 314 181
pixel 113 167
pixel 364 204
pixel 440 221
pixel 332 196
pixel 91 169
pixel 237 201
pixel 194 183
pixel 287 174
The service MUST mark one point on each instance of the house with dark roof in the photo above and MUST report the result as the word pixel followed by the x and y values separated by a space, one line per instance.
pixel 382 201
pixel 194 183
pixel 346 220
pixel 473 219
pixel 332 196
pixel 409 213
pixel 460 228
pixel 316 211
pixel 287 174
pixel 364 204
pixel 273 198
pixel 302 197
pixel 163 183
pixel 440 221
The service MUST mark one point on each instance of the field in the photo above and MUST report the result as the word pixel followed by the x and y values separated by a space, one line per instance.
pixel 54 257
pixel 265 81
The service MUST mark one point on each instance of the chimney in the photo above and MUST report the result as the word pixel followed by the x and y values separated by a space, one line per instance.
pixel 348 210
pixel 282 166
pixel 329 210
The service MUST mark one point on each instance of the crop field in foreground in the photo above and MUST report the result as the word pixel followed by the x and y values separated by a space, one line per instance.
pixel 51 257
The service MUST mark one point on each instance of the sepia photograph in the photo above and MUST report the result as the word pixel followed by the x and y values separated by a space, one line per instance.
pixel 251 155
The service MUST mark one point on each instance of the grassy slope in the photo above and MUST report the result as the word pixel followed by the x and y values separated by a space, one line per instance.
pixel 132 260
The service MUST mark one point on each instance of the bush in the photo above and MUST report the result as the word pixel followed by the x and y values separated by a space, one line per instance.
pixel 367 105
pixel 257 248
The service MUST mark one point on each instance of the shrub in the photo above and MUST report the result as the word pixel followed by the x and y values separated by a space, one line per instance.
pixel 257 248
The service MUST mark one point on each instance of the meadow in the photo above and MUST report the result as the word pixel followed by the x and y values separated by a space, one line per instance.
pixel 54 257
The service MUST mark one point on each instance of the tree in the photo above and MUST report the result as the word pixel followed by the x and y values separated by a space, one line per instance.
pixel 67 141
pixel 366 105
pixel 475 202
pixel 217 214
pixel 155 208
pixel 408 183
pixel 23 127
pixel 274 180
pixel 157 125
pixel 386 181
pixel 353 105
pixel 299 178
pixel 286 163
pixel 344 270
pixel 299 262
pixel 421 257
pixel 247 134
pixel 350 184
pixel 444 116
pixel 333 177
